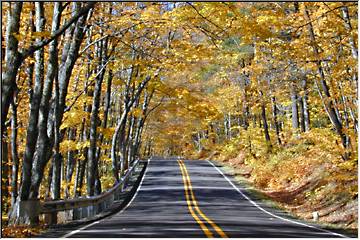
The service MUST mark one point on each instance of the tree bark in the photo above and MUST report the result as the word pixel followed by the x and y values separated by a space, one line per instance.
pixel 347 23
pixel 141 121
pixel 92 160
pixel 14 153
pixel 70 163
pixel 294 108
pixel 306 105
pixel 57 159
pixel 352 42
pixel 302 114
pixel 44 141
pixel 5 171
pixel 229 122
pixel 30 68
pixel 265 126
pixel 12 59
pixel 129 142
pixel 104 125
pixel 32 131
pixel 276 124
pixel 80 170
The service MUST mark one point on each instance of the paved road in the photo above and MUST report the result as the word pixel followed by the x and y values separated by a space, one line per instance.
pixel 183 198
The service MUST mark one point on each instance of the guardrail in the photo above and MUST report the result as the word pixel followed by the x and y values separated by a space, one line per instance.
pixel 78 208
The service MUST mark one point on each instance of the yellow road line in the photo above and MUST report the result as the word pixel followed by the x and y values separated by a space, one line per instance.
pixel 214 225
pixel 197 219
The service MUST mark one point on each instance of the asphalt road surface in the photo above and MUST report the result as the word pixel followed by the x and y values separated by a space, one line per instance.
pixel 183 198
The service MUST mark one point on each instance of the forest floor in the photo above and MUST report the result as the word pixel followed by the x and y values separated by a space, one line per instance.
pixel 311 195
pixel 21 231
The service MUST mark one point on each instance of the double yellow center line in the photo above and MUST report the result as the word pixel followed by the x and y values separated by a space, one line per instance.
pixel 194 207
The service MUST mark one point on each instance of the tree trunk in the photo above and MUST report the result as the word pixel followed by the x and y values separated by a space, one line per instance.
pixel 229 126
pixel 129 143
pixel 347 23
pixel 68 64
pixel 57 159
pixel 32 131
pixel 302 114
pixel 30 68
pixel 265 126
pixel 97 186
pixel 14 153
pixel 48 181
pixel 104 125
pixel 245 109
pixel 5 171
pixel 77 178
pixel 70 163
pixel 80 172
pixel 45 142
pixel 107 98
pixel 141 121
pixel 306 105
pixel 226 131
pixel 294 108
pixel 352 42
pixel 92 160
pixel 79 162
pixel 276 124
pixel 328 102
pixel 12 59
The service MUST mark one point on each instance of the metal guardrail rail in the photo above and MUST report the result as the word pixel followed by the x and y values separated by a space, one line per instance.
pixel 78 208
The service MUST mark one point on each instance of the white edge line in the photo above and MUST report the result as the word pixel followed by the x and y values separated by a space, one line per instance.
pixel 132 199
pixel 271 214
pixel 78 230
